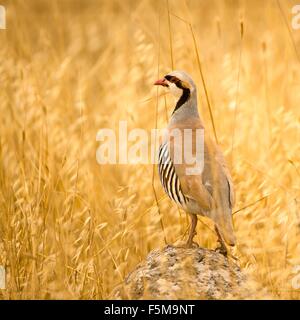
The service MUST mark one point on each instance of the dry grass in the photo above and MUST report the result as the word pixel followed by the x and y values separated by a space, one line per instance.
pixel 71 228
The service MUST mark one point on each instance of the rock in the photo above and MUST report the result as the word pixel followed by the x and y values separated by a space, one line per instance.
pixel 179 273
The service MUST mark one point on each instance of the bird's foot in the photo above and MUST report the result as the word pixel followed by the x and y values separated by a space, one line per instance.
pixel 186 245
pixel 191 244
pixel 222 249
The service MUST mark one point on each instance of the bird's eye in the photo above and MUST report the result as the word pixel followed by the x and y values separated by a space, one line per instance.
pixel 168 77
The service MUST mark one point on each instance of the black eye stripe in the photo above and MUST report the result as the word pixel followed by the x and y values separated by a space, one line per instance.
pixel 185 91
pixel 172 78
pixel 175 80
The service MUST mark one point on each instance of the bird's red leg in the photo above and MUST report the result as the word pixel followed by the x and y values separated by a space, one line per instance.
pixel 193 232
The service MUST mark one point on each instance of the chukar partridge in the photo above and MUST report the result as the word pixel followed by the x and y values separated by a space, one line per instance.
pixel 208 193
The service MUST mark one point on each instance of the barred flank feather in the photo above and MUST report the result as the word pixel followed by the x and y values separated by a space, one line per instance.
pixel 168 176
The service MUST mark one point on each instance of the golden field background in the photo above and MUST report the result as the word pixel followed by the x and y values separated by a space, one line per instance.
pixel 72 229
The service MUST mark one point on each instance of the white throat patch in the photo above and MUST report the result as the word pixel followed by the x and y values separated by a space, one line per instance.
pixel 176 92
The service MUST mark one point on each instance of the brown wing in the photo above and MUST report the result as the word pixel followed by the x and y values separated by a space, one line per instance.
pixel 221 161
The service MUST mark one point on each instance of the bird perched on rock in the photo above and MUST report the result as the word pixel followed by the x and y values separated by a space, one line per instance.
pixel 207 191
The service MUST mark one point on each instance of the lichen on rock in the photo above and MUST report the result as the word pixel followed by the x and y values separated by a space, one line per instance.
pixel 179 273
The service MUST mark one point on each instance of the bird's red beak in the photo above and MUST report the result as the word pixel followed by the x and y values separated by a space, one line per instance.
pixel 161 82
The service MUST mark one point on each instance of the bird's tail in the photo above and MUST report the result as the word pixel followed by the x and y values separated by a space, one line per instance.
pixel 223 221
